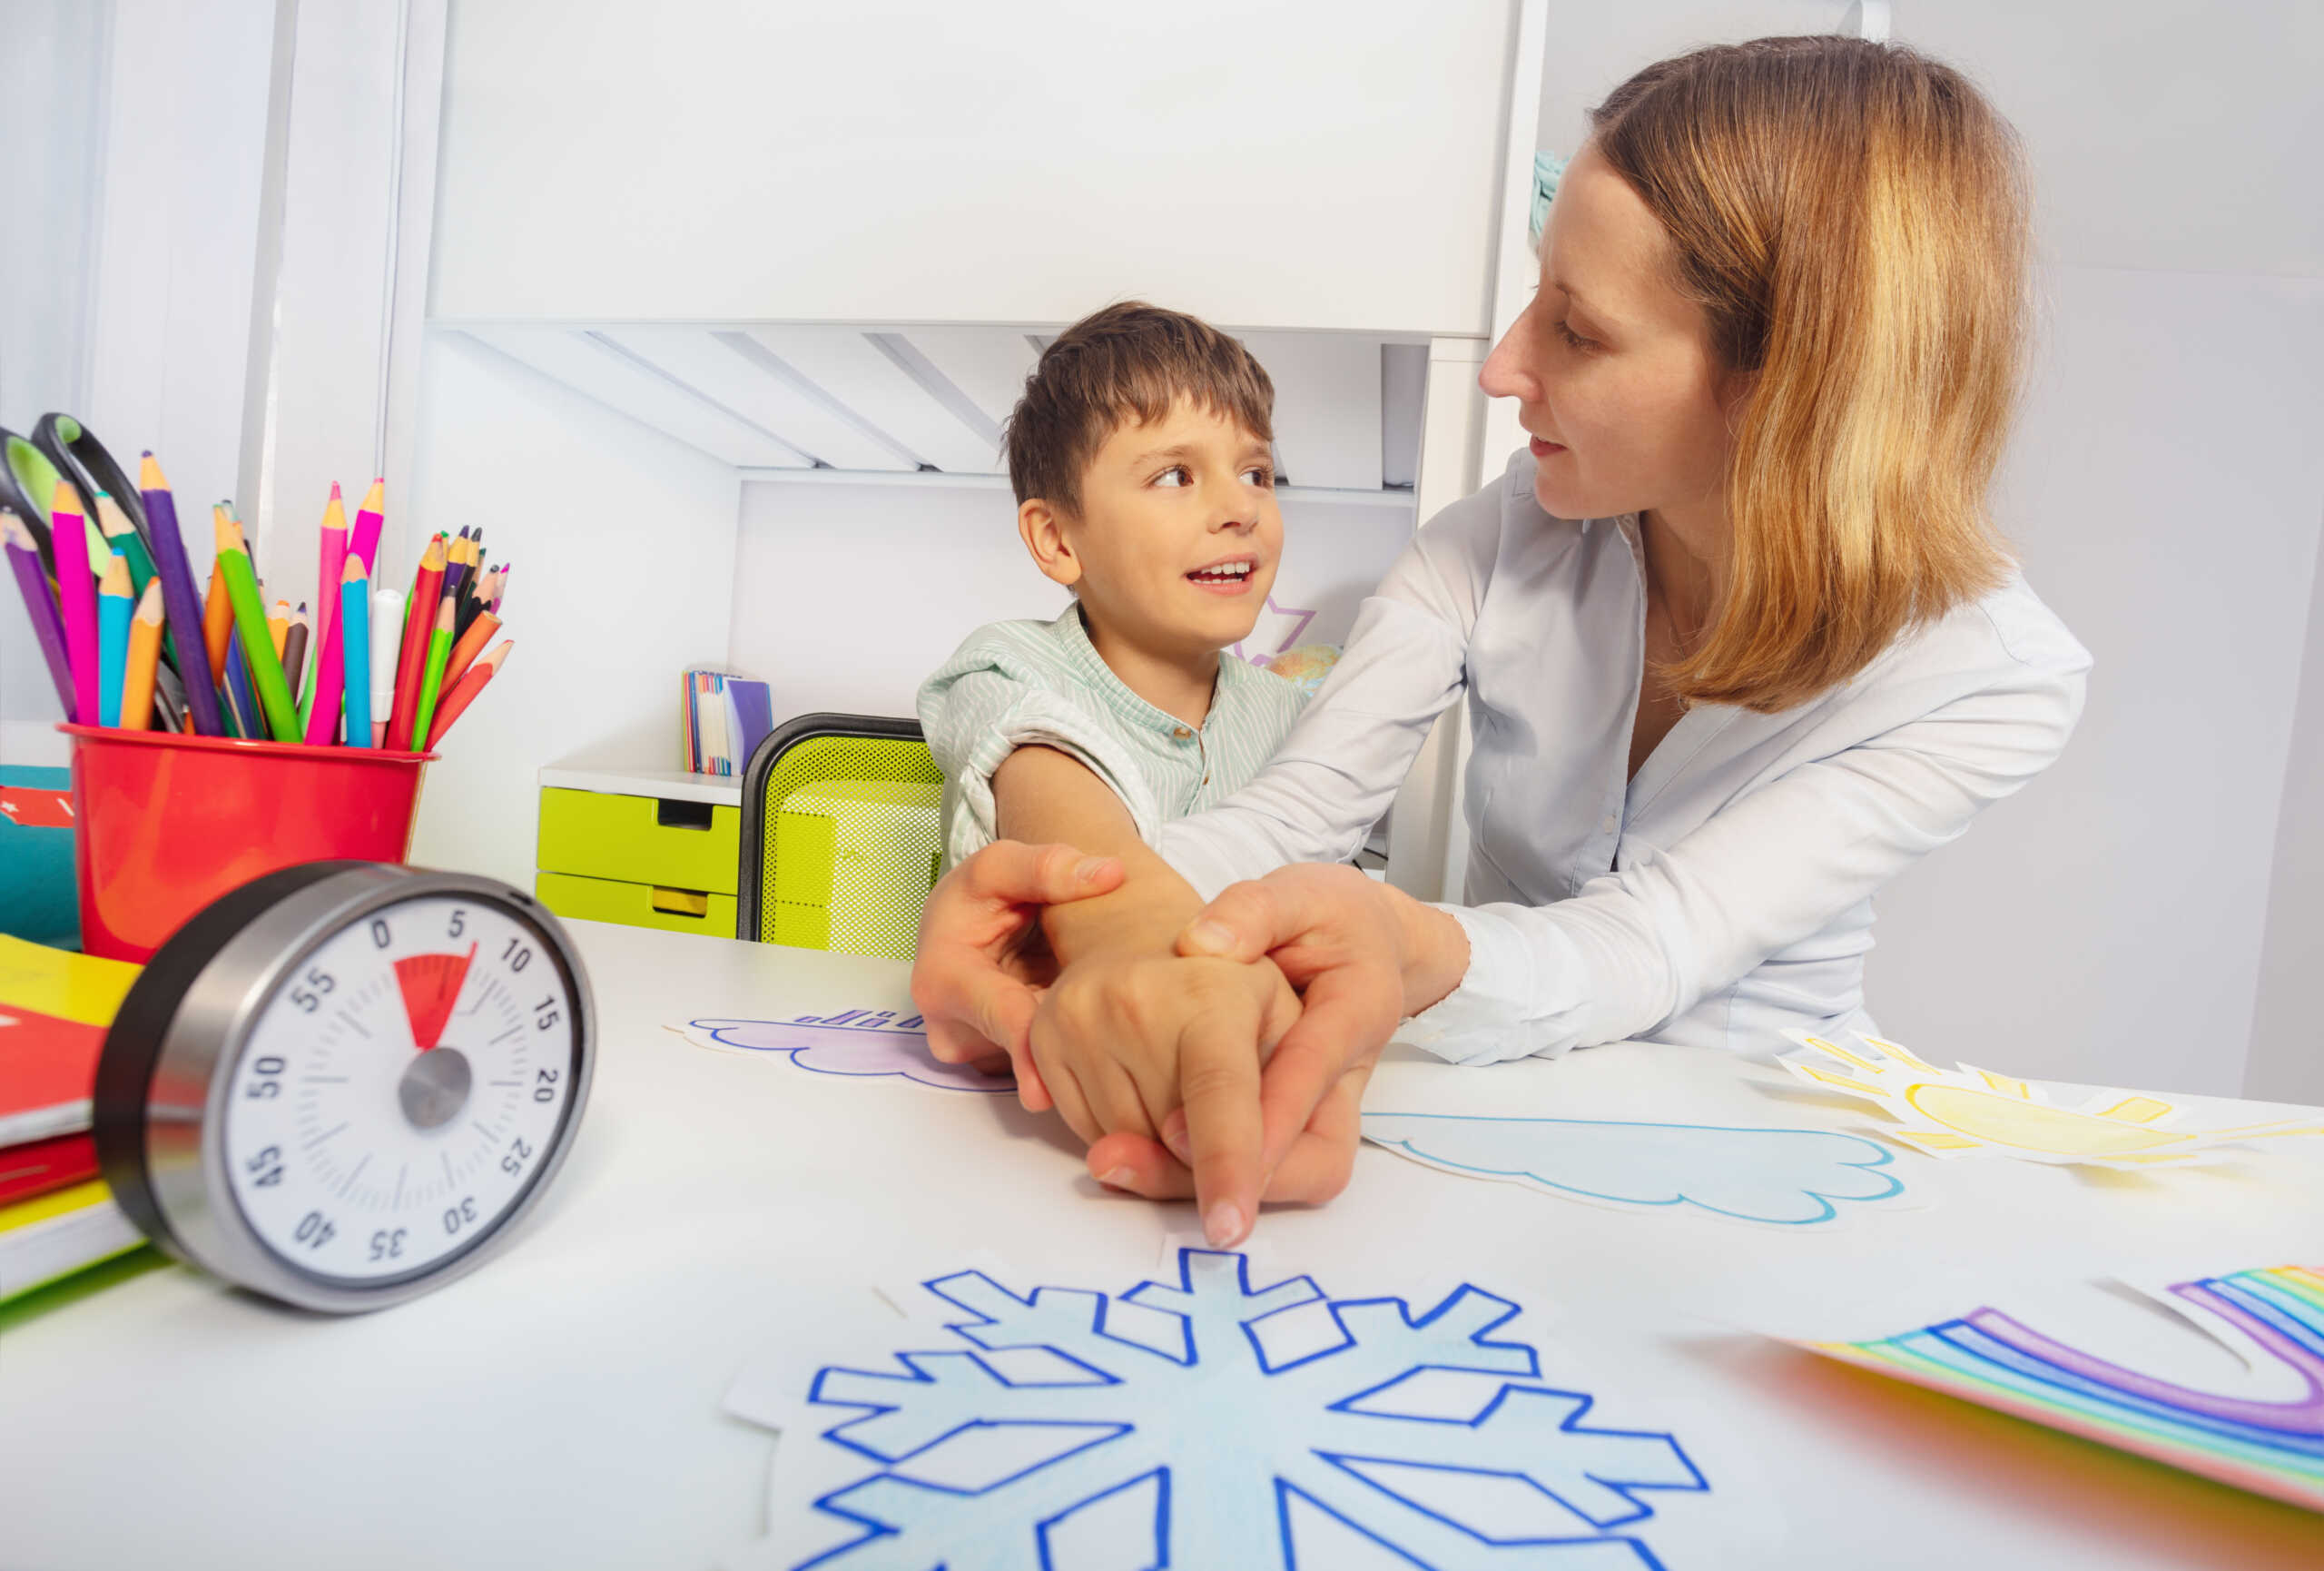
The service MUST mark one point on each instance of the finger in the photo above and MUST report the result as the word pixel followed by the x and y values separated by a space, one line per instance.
pixel 1010 873
pixel 1243 923
pixel 1315 1169
pixel 1349 1013
pixel 1061 1086
pixel 1137 1164
pixel 1218 1083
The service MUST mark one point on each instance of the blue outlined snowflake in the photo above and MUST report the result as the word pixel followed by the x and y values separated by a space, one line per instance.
pixel 1205 1425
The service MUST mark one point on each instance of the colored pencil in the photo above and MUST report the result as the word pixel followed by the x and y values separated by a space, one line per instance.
pixel 278 621
pixel 32 583
pixel 349 643
pixel 431 674
pixel 467 646
pixel 76 599
pixel 387 634
pixel 365 541
pixel 121 536
pixel 294 648
pixel 116 605
pixel 499 587
pixel 143 661
pixel 217 610
pixel 418 628
pixel 241 709
pixel 182 607
pixel 334 558
pixel 265 667
pixel 464 693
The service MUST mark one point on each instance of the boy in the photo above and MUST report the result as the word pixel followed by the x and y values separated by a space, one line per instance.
pixel 1141 459
pixel 1140 456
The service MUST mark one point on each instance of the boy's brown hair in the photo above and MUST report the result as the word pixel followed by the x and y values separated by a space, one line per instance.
pixel 1126 363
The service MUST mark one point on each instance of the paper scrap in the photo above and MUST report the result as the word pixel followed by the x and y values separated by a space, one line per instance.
pixel 1975 1112
pixel 2272 1447
pixel 1785 1177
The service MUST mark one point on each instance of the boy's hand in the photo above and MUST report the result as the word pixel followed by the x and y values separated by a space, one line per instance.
pixel 1127 1043
pixel 981 966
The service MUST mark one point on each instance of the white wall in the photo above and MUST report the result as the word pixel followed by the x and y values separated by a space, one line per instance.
pixel 847 595
pixel 2286 1035
pixel 1260 163
pixel 623 545
pixel 134 132
pixel 2163 490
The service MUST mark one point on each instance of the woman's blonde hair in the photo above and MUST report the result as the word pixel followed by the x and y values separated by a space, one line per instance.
pixel 1852 218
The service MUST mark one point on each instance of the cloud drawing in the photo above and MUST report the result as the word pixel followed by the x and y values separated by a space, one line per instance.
pixel 853 1042
pixel 1789 1177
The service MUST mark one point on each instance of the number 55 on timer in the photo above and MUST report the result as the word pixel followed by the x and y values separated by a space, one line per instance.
pixel 342 1084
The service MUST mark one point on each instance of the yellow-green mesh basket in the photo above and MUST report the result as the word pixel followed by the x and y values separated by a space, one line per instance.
pixel 848 864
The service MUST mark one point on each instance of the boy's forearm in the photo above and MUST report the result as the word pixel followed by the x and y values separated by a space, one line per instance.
pixel 1041 794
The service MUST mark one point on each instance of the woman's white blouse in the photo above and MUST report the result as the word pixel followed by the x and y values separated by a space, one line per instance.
pixel 1721 896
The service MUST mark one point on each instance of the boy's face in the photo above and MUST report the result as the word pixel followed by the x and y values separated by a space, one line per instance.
pixel 1179 535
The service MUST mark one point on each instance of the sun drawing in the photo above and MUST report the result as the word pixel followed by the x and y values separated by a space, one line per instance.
pixel 1949 1112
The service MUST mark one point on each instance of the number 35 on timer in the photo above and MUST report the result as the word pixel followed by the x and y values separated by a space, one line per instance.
pixel 343 1084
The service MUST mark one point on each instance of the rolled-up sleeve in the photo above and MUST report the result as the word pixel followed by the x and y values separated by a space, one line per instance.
pixel 1644 943
pixel 975 717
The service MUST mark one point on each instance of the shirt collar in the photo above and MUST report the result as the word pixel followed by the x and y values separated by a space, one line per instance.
pixel 1073 634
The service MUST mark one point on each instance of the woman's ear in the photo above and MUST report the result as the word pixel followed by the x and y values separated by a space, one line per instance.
pixel 1042 529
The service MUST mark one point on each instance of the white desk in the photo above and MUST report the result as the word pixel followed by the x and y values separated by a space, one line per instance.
pixel 561 1408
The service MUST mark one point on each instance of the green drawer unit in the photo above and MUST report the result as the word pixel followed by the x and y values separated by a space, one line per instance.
pixel 643 840
pixel 636 905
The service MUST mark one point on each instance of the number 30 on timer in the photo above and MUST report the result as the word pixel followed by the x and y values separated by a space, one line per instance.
pixel 387 1065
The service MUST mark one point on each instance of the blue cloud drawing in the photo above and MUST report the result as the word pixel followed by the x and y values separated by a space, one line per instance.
pixel 855 1041
pixel 1786 1176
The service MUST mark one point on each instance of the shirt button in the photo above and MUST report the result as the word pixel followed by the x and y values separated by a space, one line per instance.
pixel 1182 733
pixel 1608 824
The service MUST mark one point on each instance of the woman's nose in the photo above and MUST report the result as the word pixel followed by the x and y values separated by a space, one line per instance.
pixel 1508 372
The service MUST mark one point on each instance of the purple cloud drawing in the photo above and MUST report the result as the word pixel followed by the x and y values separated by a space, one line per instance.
pixel 855 1041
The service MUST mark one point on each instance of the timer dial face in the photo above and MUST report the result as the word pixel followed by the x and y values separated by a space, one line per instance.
pixel 397 1096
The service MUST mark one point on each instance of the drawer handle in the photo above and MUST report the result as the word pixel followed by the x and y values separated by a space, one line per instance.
pixel 680 902
pixel 671 813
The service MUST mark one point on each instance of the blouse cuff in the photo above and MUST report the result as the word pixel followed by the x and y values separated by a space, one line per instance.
pixel 1523 994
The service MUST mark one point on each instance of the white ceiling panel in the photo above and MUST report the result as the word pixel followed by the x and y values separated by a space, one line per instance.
pixel 747 382
pixel 988 364
pixel 572 357
pixel 856 373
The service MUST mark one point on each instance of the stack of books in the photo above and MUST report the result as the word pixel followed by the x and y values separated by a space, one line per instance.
pixel 726 717
pixel 57 1216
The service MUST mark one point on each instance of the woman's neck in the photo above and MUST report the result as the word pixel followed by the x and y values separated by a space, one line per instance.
pixel 1682 550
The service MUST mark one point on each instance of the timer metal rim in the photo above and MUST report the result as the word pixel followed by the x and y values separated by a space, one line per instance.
pixel 186 1103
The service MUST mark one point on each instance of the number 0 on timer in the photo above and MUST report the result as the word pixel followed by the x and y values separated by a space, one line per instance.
pixel 388 1066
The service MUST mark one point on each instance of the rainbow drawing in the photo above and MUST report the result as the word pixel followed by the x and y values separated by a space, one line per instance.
pixel 2274 1448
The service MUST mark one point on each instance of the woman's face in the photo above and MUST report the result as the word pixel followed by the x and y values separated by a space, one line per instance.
pixel 1610 366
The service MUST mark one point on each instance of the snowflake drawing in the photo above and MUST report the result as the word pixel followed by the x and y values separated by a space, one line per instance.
pixel 1207 1424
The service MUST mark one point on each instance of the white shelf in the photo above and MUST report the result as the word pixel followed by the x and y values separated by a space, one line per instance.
pixel 674 785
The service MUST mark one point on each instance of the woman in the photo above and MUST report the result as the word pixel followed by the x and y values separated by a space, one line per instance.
pixel 1738 643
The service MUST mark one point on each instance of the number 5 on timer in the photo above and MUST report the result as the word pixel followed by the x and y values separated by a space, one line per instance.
pixel 342 1084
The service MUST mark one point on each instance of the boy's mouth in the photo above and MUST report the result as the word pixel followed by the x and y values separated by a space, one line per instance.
pixel 1229 576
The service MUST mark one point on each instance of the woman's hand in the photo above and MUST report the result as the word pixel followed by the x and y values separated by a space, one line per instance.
pixel 1126 1043
pixel 1363 954
pixel 978 975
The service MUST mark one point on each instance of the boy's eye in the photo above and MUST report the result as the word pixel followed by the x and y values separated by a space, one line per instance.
pixel 1175 475
pixel 1260 476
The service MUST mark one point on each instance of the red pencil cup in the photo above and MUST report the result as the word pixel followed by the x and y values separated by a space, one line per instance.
pixel 166 822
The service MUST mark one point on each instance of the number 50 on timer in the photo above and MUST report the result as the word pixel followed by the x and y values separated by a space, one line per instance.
pixel 343 1084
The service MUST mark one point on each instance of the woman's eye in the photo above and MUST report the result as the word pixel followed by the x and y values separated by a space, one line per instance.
pixel 1175 475
pixel 1259 476
pixel 1573 339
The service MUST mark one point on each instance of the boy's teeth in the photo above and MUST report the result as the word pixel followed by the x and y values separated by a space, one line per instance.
pixel 1229 570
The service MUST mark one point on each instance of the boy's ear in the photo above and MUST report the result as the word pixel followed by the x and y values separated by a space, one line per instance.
pixel 1042 529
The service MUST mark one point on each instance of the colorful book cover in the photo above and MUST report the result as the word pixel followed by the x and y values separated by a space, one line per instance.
pixel 60 1233
pixel 43 1165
